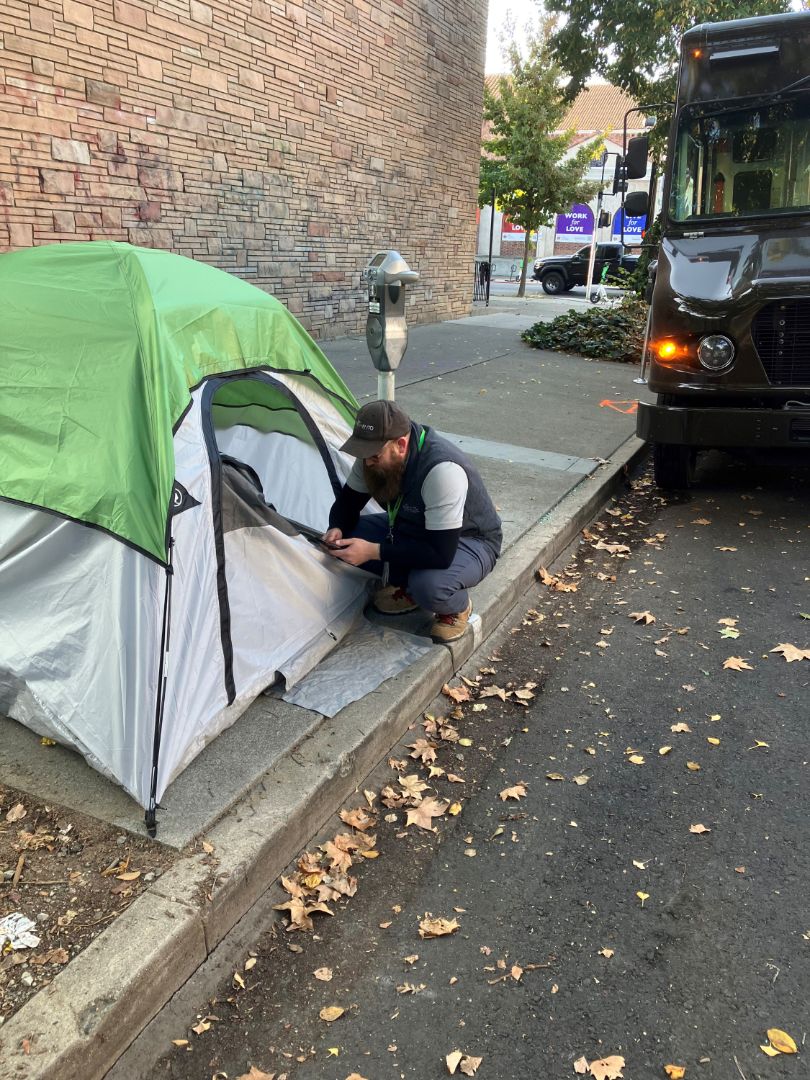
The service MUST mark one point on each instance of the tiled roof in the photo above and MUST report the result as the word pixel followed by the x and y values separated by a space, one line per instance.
pixel 598 107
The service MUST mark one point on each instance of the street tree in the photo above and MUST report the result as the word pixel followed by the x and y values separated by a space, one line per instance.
pixel 527 162
pixel 635 45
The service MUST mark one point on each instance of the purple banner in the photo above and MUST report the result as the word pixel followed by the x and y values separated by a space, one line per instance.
pixel 575 227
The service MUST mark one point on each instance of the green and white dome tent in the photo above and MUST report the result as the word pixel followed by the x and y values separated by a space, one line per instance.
pixel 150 408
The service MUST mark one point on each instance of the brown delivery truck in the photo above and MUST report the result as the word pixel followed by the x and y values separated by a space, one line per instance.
pixel 728 344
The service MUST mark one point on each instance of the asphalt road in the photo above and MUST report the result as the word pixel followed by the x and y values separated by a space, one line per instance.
pixel 637 936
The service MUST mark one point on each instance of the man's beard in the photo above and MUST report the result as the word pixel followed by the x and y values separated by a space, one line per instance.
pixel 384 482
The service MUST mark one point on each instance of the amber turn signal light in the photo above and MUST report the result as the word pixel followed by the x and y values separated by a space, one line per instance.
pixel 669 351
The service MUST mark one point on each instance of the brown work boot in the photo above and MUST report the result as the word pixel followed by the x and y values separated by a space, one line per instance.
pixel 451 627
pixel 393 600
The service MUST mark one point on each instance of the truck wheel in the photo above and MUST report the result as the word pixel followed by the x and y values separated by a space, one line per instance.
pixel 673 466
pixel 553 283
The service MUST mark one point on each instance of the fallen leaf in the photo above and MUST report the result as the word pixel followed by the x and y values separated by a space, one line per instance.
pixel 675 1072
pixel 581 1065
pixel 769 1050
pixel 202 1027
pixel 358 818
pixel 736 663
pixel 642 897
pixel 791 653
pixel 250 963
pixel 609 1068
pixel 636 759
pixel 757 744
pixel 423 814
pixel 739 869
pixel 639 864
pixel 456 693
pixel 682 726
pixel 727 622
pixel 552 776
pixel 645 617
pixel 452 1060
pixel 411 959
pixel 413 786
pixel 423 750
pixel 728 632
pixel 256 1074
pixel 614 549
pixel 607 952
pixel 179 1042
pixel 130 875
pixel 711 739
pixel 664 750
pixel 701 521
pixel 781 1041
pixel 330 1013
pixel 16 813
pixel 493 691
pixel 351 1076
pixel 433 928
pixel 207 848
pixel 698 829
pixel 454 809
pixel 580 780
pixel 469 1065
pixel 725 549
pixel 693 766
pixel 516 792
pixel 453 779
pixel 323 973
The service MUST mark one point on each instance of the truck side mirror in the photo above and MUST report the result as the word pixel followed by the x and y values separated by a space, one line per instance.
pixel 636 204
pixel 635 161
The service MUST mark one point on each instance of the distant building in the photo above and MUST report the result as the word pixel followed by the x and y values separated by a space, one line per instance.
pixel 283 140
pixel 598 111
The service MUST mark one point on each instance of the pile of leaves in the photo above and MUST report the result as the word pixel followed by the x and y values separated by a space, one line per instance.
pixel 599 333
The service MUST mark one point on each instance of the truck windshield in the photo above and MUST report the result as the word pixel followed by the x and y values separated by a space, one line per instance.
pixel 742 162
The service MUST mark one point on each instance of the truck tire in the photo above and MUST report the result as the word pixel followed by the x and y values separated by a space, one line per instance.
pixel 553 283
pixel 673 466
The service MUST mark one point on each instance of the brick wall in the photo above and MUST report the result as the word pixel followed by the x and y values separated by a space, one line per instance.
pixel 285 142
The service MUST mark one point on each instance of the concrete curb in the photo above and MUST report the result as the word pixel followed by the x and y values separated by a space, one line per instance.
pixel 78 1027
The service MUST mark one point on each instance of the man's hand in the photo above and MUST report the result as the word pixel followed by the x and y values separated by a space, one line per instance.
pixel 355 551
pixel 331 536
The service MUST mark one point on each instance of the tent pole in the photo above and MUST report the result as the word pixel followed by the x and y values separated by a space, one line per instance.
pixel 150 818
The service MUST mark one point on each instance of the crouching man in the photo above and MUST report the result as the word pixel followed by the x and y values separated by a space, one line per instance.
pixel 440 533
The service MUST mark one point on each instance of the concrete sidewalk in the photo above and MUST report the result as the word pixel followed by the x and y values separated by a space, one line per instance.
pixel 550 447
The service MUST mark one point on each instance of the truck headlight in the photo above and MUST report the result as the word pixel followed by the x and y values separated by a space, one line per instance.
pixel 716 352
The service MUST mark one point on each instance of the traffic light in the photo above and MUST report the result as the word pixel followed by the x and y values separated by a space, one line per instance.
pixel 619 176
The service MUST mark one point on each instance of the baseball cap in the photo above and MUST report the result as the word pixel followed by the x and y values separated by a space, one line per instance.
pixel 376 423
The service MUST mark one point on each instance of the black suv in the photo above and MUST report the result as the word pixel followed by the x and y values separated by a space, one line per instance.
pixel 559 273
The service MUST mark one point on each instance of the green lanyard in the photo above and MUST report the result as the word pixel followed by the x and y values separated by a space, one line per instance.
pixel 392 511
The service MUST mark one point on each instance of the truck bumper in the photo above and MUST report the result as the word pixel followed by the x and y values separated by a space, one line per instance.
pixel 724 427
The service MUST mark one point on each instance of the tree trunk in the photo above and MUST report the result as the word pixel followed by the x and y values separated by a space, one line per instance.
pixel 526 242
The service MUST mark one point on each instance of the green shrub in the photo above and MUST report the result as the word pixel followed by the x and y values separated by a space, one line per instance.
pixel 600 333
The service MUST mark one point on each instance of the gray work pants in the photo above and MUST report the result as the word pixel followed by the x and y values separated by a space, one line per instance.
pixel 441 591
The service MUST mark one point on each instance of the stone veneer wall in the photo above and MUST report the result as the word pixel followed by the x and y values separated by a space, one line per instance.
pixel 285 142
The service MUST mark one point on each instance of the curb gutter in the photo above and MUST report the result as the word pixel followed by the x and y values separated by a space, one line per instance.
pixel 78 1026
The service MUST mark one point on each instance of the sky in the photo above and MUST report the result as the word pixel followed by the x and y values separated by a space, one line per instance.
pixel 522 11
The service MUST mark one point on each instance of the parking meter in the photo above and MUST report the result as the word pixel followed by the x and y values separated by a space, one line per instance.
pixel 386 276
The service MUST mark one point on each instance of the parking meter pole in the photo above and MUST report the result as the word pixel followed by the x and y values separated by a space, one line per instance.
pixel 385 385
pixel 386 278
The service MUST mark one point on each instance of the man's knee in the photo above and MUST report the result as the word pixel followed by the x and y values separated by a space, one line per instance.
pixel 431 589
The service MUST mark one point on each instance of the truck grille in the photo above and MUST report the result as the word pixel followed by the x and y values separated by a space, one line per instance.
pixel 781 333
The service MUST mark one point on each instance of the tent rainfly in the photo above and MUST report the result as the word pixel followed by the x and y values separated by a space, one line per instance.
pixel 169 437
